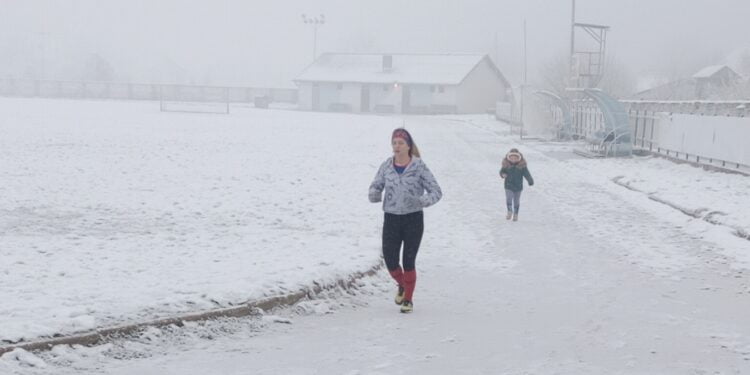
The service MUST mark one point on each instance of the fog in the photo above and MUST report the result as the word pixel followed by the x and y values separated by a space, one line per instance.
pixel 254 43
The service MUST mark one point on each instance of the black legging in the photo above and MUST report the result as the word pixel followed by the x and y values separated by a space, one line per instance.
pixel 402 228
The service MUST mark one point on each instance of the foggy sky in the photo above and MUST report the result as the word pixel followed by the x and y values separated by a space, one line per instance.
pixel 265 43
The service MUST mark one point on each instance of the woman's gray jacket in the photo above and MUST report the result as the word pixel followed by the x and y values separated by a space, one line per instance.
pixel 410 191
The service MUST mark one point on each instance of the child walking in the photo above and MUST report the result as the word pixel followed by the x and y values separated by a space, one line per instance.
pixel 514 170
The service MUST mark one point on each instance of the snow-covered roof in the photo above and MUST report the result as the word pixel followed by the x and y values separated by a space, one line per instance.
pixel 406 68
pixel 709 71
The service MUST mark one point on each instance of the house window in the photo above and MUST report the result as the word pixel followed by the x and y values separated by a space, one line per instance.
pixel 441 89
pixel 340 86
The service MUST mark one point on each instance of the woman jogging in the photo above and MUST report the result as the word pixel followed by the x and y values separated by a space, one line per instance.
pixel 409 187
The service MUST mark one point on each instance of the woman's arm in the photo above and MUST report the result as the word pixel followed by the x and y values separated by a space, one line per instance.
pixel 377 185
pixel 431 187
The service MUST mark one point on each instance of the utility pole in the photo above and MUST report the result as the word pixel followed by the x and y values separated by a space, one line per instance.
pixel 572 42
pixel 523 84
pixel 495 49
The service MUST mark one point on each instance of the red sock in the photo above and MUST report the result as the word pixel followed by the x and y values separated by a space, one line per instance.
pixel 410 280
pixel 398 275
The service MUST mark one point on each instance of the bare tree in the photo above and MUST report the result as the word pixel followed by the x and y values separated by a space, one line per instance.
pixel 617 79
pixel 554 75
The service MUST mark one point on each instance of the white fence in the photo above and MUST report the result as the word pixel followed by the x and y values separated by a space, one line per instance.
pixel 715 137
pixel 507 112
pixel 736 108
pixel 716 140
pixel 141 91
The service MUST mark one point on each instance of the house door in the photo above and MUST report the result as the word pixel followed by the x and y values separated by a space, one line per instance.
pixel 365 99
pixel 405 99
pixel 315 97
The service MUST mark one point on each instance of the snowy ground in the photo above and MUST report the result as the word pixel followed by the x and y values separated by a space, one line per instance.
pixel 114 212
pixel 595 278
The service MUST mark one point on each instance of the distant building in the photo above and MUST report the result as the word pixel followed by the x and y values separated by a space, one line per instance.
pixel 716 82
pixel 715 79
pixel 402 83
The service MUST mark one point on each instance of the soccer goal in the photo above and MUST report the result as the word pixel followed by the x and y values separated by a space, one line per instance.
pixel 194 99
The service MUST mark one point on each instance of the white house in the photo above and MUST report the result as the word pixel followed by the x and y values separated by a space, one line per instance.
pixel 716 82
pixel 401 83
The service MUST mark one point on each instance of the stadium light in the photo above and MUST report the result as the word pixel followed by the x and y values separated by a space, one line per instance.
pixel 315 22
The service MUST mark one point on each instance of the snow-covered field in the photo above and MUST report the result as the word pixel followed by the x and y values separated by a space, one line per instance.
pixel 115 212
pixel 715 196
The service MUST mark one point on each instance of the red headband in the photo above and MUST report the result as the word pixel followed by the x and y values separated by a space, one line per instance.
pixel 400 133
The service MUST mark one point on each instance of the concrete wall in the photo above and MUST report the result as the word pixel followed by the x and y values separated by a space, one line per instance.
pixel 385 94
pixel 351 95
pixel 421 96
pixel 508 112
pixel 447 97
pixel 481 89
pixel 329 94
pixel 305 96
pixel 425 98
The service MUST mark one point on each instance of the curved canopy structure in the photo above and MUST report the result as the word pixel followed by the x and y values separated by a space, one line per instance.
pixel 567 118
pixel 615 138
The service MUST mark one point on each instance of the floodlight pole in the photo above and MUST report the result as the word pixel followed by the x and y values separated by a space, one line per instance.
pixel 315 22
